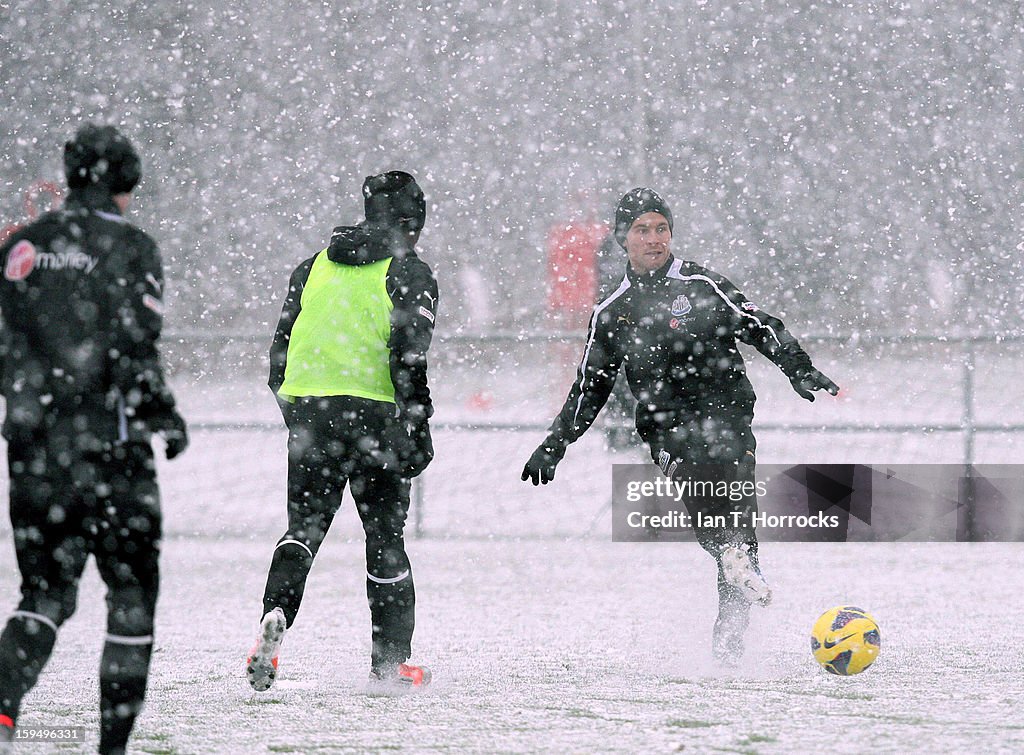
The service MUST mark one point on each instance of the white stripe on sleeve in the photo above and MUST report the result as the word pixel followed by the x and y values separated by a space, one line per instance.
pixel 590 341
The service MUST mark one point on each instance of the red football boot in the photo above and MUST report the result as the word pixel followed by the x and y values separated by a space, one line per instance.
pixel 261 665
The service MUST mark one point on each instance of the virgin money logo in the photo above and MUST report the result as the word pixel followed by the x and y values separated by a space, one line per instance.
pixel 20 261
pixel 66 261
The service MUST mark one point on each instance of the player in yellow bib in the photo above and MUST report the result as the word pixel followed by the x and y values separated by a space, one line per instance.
pixel 339 344
pixel 348 368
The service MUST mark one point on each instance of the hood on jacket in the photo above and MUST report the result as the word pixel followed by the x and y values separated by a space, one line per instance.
pixel 96 197
pixel 365 243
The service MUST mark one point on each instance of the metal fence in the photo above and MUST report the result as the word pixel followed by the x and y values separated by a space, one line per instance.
pixel 968 425
pixel 941 395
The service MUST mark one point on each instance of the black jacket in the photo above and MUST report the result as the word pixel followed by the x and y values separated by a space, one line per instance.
pixel 413 292
pixel 675 329
pixel 81 297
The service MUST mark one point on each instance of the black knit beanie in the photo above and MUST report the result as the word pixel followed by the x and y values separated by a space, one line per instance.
pixel 633 205
pixel 101 155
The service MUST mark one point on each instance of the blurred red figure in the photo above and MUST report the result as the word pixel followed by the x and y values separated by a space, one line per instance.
pixel 31 210
pixel 572 271
pixel 573 247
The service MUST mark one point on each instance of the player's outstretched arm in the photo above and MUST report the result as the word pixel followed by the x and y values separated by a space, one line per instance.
pixel 588 395
pixel 768 334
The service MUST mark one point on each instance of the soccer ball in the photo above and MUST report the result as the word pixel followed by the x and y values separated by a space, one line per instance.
pixel 845 640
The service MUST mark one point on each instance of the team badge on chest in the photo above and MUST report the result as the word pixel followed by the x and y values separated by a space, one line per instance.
pixel 681 306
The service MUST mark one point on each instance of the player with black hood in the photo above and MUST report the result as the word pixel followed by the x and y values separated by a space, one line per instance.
pixel 348 366
pixel 674 325
pixel 81 296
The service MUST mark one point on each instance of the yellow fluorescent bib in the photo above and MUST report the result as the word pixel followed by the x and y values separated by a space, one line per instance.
pixel 339 341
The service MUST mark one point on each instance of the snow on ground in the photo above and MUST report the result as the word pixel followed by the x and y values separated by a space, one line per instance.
pixel 570 645
pixel 544 635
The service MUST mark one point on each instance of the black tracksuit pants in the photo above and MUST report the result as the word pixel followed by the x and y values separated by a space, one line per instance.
pixel 64 506
pixel 336 441
pixel 717 433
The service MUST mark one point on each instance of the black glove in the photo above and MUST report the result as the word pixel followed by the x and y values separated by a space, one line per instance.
pixel 412 446
pixel 171 427
pixel 808 379
pixel 540 469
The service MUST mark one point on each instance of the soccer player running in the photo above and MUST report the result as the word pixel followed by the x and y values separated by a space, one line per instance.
pixel 81 300
pixel 675 327
pixel 348 366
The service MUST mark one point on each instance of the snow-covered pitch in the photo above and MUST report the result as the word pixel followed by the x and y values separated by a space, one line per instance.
pixel 577 646
pixel 557 642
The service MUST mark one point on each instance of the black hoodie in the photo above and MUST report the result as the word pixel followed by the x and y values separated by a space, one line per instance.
pixel 413 291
